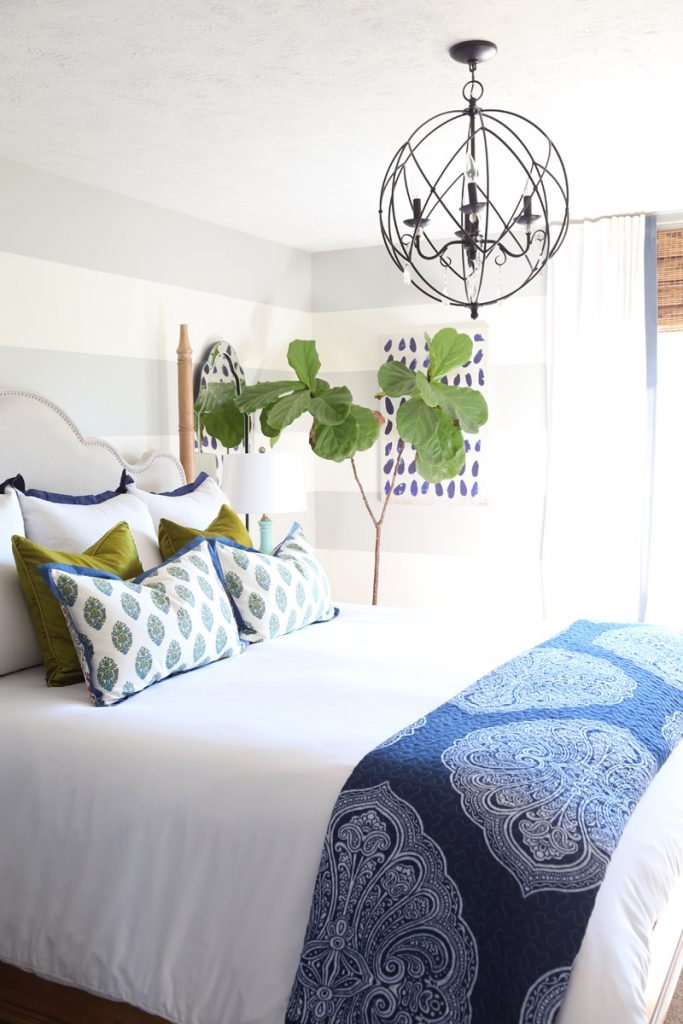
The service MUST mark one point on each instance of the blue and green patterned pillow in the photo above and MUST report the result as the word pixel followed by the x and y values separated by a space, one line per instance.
pixel 130 634
pixel 277 593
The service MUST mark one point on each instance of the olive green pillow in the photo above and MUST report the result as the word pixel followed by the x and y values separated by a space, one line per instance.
pixel 173 536
pixel 114 552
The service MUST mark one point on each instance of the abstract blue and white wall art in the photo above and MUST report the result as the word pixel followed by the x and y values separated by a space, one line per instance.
pixel 466 489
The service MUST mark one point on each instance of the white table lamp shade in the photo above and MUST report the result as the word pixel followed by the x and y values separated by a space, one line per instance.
pixel 264 482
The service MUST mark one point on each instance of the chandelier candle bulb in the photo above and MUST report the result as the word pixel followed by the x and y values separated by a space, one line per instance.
pixel 460 241
pixel 471 172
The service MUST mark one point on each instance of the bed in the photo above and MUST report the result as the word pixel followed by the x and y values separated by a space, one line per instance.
pixel 157 858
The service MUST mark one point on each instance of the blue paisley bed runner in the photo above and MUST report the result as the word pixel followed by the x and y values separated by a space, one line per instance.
pixel 463 856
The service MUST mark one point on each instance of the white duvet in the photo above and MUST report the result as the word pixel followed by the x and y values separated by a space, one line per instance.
pixel 163 852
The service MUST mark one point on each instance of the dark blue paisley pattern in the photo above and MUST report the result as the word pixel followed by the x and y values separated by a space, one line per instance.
pixel 552 798
pixel 471 844
pixel 544 998
pixel 390 940
pixel 547 678
pixel 407 730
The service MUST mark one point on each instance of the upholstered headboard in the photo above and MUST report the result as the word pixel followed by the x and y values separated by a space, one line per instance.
pixel 38 440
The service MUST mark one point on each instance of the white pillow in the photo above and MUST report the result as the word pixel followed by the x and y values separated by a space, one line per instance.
pixel 194 505
pixel 64 526
pixel 18 645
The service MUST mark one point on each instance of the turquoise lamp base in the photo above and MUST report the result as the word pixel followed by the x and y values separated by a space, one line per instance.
pixel 266 531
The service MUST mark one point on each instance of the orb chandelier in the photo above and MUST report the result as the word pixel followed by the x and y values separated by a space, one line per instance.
pixel 475 203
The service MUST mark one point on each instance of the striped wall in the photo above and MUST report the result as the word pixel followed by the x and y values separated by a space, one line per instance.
pixel 477 561
pixel 94 285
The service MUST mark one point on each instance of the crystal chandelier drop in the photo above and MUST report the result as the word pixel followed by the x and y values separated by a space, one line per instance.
pixel 475 203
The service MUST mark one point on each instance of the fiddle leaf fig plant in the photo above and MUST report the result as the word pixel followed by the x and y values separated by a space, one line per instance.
pixel 432 415
pixel 339 428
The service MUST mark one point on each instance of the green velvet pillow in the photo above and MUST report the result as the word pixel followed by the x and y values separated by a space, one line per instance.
pixel 114 552
pixel 173 536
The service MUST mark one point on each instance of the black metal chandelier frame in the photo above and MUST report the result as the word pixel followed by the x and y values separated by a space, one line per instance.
pixel 464 257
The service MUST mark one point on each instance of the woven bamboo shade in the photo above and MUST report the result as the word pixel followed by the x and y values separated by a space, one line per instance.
pixel 670 280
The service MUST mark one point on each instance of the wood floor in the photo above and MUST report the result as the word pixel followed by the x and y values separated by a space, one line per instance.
pixel 675 1014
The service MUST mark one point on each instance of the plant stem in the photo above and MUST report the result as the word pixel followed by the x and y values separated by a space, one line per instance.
pixel 378 522
pixel 362 491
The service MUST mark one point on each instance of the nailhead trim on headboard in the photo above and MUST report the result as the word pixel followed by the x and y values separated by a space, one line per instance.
pixel 136 470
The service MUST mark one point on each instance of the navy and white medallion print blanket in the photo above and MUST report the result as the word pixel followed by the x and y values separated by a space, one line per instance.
pixel 463 856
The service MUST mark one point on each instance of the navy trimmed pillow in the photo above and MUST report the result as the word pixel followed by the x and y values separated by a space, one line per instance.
pixel 193 505
pixel 67 522
pixel 129 635
pixel 277 593
pixel 18 484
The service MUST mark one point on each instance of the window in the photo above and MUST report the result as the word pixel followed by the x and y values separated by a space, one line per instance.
pixel 665 600
pixel 670 279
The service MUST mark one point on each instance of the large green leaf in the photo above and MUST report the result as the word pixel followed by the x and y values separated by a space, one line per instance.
pixel 416 422
pixel 220 415
pixel 444 444
pixel 426 390
pixel 226 425
pixel 332 405
pixel 303 357
pixel 336 442
pixel 212 394
pixel 437 472
pixel 256 396
pixel 396 380
pixel 368 426
pixel 288 408
pixel 266 428
pixel 447 349
pixel 465 405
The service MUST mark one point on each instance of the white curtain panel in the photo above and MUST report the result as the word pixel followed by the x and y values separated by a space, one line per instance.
pixel 597 423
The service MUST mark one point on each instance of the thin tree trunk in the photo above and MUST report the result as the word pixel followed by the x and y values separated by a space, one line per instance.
pixel 378 521
pixel 375 578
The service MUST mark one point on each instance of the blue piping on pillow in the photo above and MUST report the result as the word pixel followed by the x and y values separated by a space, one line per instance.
pixel 213 541
pixel 17 482
pixel 191 544
pixel 75 570
pixel 179 491
pixel 102 574
pixel 69 499
pixel 244 547
pixel 295 526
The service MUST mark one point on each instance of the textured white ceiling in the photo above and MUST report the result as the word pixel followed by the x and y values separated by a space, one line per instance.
pixel 278 117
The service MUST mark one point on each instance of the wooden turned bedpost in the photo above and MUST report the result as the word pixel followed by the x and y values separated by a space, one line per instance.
pixel 185 403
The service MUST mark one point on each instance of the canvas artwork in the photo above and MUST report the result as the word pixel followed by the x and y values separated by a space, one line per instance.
pixel 468 487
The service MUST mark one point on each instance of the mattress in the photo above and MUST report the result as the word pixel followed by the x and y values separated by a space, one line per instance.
pixel 163 852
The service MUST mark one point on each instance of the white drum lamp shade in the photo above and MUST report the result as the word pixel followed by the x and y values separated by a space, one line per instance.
pixel 264 483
